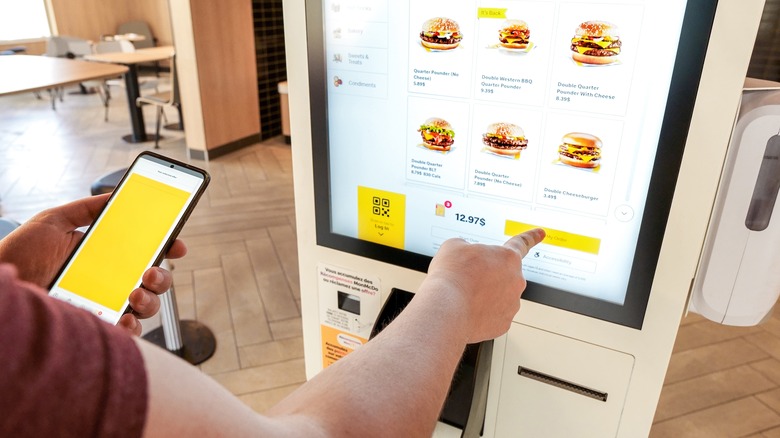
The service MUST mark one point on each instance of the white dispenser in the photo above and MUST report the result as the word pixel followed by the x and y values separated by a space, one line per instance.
pixel 738 281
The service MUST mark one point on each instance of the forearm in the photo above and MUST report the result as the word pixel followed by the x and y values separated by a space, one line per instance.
pixel 396 384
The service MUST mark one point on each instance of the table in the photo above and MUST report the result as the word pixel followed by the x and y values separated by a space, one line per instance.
pixel 24 73
pixel 131 61
pixel 132 37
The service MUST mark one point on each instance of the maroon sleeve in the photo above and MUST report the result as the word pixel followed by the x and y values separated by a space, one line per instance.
pixel 64 372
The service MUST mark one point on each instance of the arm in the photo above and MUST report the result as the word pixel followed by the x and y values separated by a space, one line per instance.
pixel 41 245
pixel 470 294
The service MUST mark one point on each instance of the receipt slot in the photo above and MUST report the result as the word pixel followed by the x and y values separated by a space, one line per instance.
pixel 738 282
pixel 414 122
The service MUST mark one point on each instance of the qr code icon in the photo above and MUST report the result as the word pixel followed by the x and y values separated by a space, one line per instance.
pixel 381 206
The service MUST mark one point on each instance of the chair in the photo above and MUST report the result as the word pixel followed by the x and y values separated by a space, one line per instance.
pixel 144 82
pixel 59 47
pixel 79 49
pixel 142 28
pixel 162 100
pixel 138 27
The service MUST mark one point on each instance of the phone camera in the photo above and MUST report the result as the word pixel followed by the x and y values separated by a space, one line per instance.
pixel 171 166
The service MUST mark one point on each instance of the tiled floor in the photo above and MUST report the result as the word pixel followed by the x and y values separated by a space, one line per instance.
pixel 240 277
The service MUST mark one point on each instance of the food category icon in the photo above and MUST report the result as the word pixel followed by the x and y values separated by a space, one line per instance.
pixel 596 43
pixel 440 33
pixel 437 134
pixel 504 139
pixel 515 35
pixel 579 149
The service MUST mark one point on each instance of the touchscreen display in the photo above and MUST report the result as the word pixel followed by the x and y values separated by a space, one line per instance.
pixel 482 119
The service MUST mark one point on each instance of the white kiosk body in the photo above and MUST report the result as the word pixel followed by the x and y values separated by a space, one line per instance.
pixel 589 349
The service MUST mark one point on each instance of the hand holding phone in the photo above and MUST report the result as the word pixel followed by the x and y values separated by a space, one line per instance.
pixel 139 222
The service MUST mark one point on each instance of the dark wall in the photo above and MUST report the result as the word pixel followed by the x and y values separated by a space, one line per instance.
pixel 271 66
pixel 765 62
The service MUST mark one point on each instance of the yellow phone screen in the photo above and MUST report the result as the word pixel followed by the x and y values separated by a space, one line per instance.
pixel 126 239
pixel 128 236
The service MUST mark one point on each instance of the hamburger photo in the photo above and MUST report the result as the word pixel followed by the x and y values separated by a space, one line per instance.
pixel 514 34
pixel 580 150
pixel 437 134
pixel 596 42
pixel 504 139
pixel 440 34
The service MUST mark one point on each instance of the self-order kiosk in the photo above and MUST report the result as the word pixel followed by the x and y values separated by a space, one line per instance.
pixel 604 122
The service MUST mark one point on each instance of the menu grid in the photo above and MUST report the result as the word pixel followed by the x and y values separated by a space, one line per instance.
pixel 493 117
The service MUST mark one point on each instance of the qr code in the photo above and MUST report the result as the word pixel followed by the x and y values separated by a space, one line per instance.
pixel 381 206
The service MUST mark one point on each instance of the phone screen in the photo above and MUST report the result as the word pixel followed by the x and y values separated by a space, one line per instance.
pixel 140 219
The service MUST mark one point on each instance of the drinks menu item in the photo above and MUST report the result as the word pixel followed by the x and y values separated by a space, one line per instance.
pixel 480 119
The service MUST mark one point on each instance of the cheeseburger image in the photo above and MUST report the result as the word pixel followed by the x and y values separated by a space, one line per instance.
pixel 514 34
pixel 580 150
pixel 596 42
pixel 441 34
pixel 437 134
pixel 504 139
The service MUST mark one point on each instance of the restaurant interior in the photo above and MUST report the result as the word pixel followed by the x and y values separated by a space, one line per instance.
pixel 240 277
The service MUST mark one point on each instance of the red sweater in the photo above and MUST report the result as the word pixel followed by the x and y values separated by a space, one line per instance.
pixel 63 372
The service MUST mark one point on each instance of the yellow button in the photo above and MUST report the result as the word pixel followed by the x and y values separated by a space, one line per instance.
pixel 554 237
pixel 381 217
pixel 491 13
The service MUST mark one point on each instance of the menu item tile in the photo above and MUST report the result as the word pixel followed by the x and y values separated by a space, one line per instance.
pixel 441 43
pixel 593 65
pixel 579 164
pixel 504 152
pixel 513 53
pixel 437 142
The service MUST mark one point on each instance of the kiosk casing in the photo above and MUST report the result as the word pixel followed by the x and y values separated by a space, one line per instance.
pixel 556 372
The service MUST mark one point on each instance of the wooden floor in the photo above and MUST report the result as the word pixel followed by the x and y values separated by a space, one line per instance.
pixel 240 276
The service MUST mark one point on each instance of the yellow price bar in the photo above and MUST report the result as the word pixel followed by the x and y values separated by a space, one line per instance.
pixel 491 13
pixel 554 237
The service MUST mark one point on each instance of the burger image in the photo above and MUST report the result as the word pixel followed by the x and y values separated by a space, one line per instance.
pixel 596 42
pixel 504 139
pixel 580 150
pixel 514 34
pixel 441 34
pixel 437 134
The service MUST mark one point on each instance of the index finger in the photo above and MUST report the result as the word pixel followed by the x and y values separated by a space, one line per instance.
pixel 524 241
pixel 78 213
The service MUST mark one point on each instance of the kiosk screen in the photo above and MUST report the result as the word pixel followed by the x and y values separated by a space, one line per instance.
pixel 481 119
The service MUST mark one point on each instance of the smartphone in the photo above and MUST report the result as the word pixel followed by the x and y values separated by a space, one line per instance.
pixel 132 233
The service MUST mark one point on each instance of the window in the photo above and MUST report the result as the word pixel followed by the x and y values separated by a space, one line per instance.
pixel 23 19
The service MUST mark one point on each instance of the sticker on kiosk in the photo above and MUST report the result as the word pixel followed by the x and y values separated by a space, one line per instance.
pixel 349 305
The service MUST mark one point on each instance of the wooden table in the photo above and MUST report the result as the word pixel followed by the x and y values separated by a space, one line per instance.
pixel 131 61
pixel 24 73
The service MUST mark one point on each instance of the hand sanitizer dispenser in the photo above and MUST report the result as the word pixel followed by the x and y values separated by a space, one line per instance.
pixel 738 281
